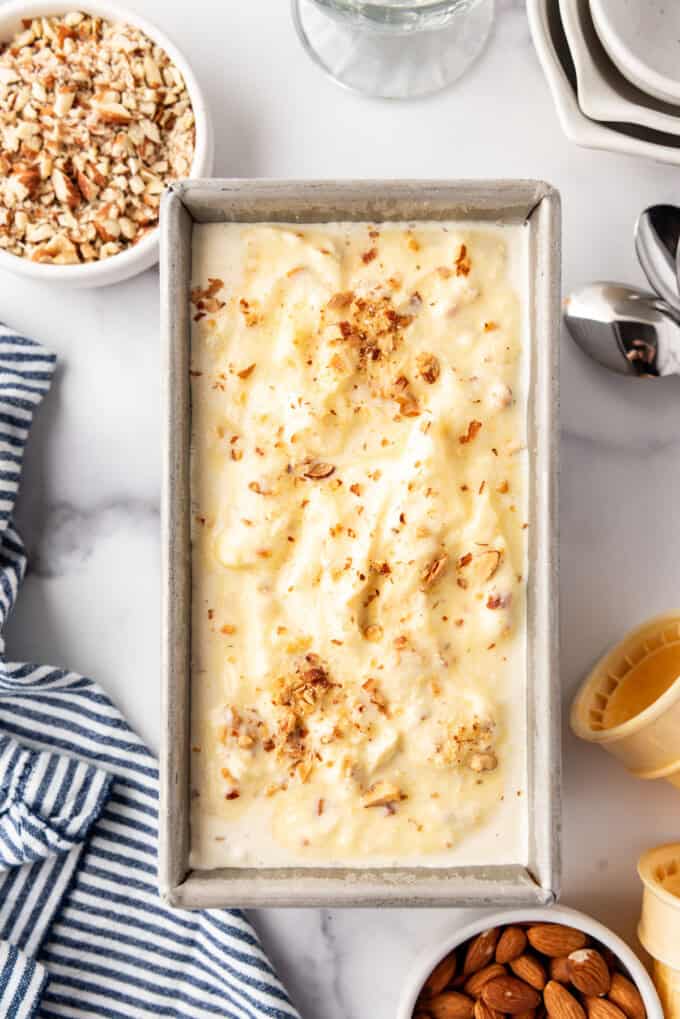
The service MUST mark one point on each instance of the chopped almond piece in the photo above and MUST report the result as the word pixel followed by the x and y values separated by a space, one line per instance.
pixel 472 431
pixel 428 367
pixel 380 794
pixel 434 570
pixel 318 470
pixel 463 262
pixel 340 300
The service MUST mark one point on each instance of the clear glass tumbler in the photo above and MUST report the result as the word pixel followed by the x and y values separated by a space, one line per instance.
pixel 394 49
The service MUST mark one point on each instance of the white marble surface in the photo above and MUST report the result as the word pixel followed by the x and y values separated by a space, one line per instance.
pixel 90 504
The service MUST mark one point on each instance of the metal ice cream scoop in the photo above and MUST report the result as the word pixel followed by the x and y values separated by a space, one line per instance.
pixel 625 329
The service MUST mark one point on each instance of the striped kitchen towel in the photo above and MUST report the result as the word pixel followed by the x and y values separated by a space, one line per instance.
pixel 83 932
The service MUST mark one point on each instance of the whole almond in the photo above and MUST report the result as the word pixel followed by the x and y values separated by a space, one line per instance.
pixel 529 969
pixel 450 1005
pixel 508 994
pixel 560 1003
pixel 481 950
pixel 511 945
pixel 625 994
pixel 441 976
pixel 589 972
pixel 559 969
pixel 482 1011
pixel 601 1008
pixel 530 1013
pixel 554 939
pixel 474 984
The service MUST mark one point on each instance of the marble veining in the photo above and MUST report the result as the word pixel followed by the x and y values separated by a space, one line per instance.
pixel 336 987
pixel 89 508
pixel 68 534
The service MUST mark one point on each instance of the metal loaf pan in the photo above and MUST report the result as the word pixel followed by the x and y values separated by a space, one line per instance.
pixel 326 201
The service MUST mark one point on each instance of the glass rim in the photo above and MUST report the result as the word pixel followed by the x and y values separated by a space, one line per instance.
pixel 390 8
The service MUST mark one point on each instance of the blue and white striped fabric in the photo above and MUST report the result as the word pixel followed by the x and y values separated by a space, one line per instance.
pixel 82 930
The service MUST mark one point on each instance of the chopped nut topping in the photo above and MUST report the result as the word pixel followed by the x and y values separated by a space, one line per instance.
pixel 318 470
pixel 200 294
pixel 488 563
pixel 380 794
pixel 483 565
pixel 428 367
pixel 464 742
pixel 255 486
pixel 383 568
pixel 376 696
pixel 371 328
pixel 472 431
pixel 463 262
pixel 249 311
pixel 340 301
pixel 434 570
pixel 88 142
pixel 408 403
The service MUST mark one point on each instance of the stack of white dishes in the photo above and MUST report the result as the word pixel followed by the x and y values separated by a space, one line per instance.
pixel 613 69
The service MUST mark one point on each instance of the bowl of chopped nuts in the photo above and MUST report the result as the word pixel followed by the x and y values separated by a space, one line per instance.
pixel 99 111
pixel 553 962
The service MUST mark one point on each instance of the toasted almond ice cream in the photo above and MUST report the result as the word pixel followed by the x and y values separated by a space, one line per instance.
pixel 359 528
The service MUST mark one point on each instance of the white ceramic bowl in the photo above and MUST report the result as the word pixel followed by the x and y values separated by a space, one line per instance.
pixel 552 914
pixel 641 38
pixel 144 254
pixel 603 93
pixel 553 53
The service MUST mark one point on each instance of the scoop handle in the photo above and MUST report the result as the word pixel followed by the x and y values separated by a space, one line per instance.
pixel 657 236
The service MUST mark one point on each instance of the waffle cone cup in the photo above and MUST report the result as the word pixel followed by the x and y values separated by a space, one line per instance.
pixel 667 983
pixel 648 743
pixel 659 928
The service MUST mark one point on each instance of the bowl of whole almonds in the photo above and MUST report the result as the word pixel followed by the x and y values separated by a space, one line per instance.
pixel 99 112
pixel 552 963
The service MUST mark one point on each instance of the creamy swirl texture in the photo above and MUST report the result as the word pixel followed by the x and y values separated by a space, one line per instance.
pixel 358 548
